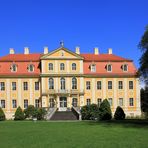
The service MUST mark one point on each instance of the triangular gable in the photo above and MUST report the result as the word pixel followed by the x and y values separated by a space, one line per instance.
pixel 62 53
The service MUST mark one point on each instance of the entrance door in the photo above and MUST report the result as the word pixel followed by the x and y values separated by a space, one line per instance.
pixel 63 104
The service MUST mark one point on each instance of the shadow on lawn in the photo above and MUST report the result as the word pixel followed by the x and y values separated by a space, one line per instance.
pixel 137 123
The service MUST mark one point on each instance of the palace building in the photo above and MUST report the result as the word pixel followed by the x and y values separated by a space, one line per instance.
pixel 63 79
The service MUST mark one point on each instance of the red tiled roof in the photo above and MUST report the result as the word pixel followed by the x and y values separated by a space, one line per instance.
pixel 103 57
pixel 21 57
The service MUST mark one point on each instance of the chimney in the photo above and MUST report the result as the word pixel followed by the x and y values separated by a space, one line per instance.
pixel 78 50
pixel 11 51
pixel 110 51
pixel 26 50
pixel 96 51
pixel 45 50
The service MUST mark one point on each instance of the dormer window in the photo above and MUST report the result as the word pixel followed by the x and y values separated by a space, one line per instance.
pixel 93 68
pixel 30 68
pixel 13 68
pixel 109 68
pixel 125 67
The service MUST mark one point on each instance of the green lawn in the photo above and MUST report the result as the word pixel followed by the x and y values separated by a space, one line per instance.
pixel 44 134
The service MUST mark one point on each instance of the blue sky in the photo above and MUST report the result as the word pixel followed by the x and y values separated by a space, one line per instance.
pixel 117 24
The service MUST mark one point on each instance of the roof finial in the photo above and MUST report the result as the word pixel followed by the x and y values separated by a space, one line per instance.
pixel 62 43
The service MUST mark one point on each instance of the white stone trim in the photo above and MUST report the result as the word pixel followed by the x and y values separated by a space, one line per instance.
pixel 19 93
pixel 56 66
pixel 104 88
pixel 8 94
pixel 67 66
pixel 81 66
pixel 31 92
pixel 93 90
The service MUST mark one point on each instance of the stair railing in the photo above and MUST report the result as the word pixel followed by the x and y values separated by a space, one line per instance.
pixel 77 112
pixel 50 112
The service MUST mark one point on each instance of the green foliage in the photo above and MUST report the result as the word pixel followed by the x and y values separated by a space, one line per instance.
pixel 90 112
pixel 119 113
pixel 144 58
pixel 41 112
pixel 2 115
pixel 19 114
pixel 30 112
pixel 105 111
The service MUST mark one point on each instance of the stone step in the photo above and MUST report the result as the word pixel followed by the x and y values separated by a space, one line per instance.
pixel 63 115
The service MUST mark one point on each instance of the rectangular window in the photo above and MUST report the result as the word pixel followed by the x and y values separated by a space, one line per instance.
pixel 36 85
pixel 25 85
pixel 25 103
pixel 13 85
pixel 3 105
pixel 88 102
pixel 120 102
pixel 110 100
pixel 98 84
pixel 37 102
pixel 2 86
pixel 120 85
pixel 14 105
pixel 109 84
pixel 93 68
pixel 99 101
pixel 131 102
pixel 130 84
pixel 87 85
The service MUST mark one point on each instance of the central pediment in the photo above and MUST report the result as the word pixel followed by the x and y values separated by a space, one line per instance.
pixel 62 53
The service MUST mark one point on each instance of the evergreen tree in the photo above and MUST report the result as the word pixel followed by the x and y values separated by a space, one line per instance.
pixel 105 111
pixel 119 113
pixel 19 114
pixel 2 115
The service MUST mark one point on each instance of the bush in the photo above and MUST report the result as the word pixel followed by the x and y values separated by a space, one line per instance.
pixel 19 114
pixel 89 112
pixel 2 115
pixel 30 112
pixel 105 111
pixel 41 112
pixel 119 113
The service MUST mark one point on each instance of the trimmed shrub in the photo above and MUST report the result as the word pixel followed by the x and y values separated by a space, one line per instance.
pixel 105 111
pixel 89 112
pixel 19 114
pixel 2 115
pixel 30 112
pixel 119 113
pixel 41 112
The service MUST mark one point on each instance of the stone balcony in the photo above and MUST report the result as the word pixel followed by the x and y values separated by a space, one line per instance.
pixel 63 92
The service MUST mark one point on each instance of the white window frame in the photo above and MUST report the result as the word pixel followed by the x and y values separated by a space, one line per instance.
pixel 99 85
pixel 109 67
pixel 3 103
pixel 2 86
pixel 30 68
pixel 25 86
pixel 25 103
pixel 125 69
pixel 99 100
pixel 14 103
pixel 110 85
pixel 110 100
pixel 37 86
pixel 13 68
pixel 120 101
pixel 120 84
pixel 37 103
pixel 131 101
pixel 131 86
pixel 50 66
pixel 13 86
pixel 51 83
pixel 88 101
pixel 74 83
pixel 62 66
pixel 93 68
pixel 88 85
pixel 74 66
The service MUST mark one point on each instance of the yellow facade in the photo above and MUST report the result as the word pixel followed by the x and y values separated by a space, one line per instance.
pixel 81 93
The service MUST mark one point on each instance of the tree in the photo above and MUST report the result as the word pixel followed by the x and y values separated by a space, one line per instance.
pixel 2 115
pixel 105 111
pixel 30 112
pixel 119 113
pixel 144 101
pixel 90 112
pixel 19 114
pixel 143 45
pixel 41 112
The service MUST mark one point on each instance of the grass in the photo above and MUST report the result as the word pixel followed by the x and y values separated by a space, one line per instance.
pixel 17 134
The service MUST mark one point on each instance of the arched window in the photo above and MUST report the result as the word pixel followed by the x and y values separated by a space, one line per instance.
pixel 109 67
pixel 30 68
pixel 50 66
pixel 74 83
pixel 62 66
pixel 13 68
pixel 51 83
pixel 93 68
pixel 62 83
pixel 73 66
pixel 75 102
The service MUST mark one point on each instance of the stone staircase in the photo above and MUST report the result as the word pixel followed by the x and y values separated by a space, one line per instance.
pixel 63 115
